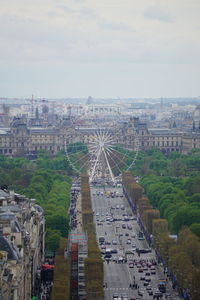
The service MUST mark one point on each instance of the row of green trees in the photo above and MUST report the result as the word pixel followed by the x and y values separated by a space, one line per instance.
pixel 175 164
pixel 181 255
pixel 173 186
pixel 61 282
pixel 45 180
pixel 173 197
pixel 135 192
pixel 93 263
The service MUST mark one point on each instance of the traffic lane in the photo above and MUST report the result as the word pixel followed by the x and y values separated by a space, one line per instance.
pixel 117 280
pixel 139 244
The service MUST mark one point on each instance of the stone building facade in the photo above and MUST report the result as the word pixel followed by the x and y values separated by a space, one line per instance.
pixel 21 140
pixel 21 246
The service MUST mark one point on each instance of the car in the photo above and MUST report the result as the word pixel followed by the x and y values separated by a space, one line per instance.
pixel 117 206
pixel 128 241
pixel 117 226
pixel 131 265
pixel 125 297
pixel 145 283
pixel 140 292
pixel 120 259
pixel 150 293
pixel 107 243
pixel 113 250
pixel 147 274
pixel 142 278
pixel 153 272
pixel 148 279
pixel 129 251
pixel 115 296
pixel 107 255
pixel 139 266
pixel 140 270
pixel 142 250
pixel 114 242
pixel 157 294
pixel 133 235
pixel 126 234
pixel 133 218
pixel 148 288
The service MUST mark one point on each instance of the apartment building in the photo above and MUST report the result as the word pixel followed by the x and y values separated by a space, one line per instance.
pixel 21 246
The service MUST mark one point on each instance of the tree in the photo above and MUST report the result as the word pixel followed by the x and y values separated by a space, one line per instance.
pixel 52 239
pixel 185 216
pixel 195 228
pixel 181 265
pixel 177 167
pixel 58 222
pixel 190 245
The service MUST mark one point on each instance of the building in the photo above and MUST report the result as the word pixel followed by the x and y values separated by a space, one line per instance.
pixel 22 140
pixel 21 246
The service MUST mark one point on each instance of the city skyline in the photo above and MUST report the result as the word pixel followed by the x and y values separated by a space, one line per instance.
pixel 107 49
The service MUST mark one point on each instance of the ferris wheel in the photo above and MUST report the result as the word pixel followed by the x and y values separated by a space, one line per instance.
pixel 103 153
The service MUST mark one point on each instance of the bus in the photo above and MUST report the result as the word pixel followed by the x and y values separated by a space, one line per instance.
pixel 162 285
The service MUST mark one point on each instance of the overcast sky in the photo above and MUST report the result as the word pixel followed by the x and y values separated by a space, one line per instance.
pixel 102 48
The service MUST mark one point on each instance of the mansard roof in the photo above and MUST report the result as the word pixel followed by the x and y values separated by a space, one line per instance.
pixel 5 245
pixel 4 194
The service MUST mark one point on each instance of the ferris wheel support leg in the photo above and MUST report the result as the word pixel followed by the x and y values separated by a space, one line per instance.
pixel 95 165
pixel 109 168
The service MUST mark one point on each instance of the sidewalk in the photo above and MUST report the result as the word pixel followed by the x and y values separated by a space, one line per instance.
pixel 79 213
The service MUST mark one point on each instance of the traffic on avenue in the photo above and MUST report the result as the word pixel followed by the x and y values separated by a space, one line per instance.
pixel 131 269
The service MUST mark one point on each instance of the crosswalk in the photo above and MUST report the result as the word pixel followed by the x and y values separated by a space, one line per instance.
pixel 116 288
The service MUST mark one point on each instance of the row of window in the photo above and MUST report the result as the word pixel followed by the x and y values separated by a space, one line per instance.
pixel 166 143
pixel 9 151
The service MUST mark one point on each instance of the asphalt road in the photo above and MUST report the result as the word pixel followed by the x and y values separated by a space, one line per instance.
pixel 123 269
